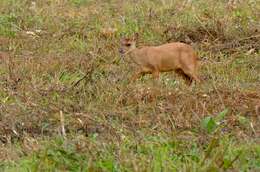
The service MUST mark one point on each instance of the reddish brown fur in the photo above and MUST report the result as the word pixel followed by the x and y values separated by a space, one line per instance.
pixel 176 56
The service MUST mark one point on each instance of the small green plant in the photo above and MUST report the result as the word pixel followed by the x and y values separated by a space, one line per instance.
pixel 8 25
pixel 210 124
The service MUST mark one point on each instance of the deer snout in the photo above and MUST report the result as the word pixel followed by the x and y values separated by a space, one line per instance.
pixel 121 51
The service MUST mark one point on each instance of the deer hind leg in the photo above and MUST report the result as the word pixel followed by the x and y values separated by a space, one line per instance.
pixel 156 74
pixel 187 78
pixel 192 74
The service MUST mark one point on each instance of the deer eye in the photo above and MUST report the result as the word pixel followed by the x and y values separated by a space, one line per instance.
pixel 128 44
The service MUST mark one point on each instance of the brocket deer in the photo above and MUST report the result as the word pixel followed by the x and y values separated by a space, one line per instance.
pixel 176 56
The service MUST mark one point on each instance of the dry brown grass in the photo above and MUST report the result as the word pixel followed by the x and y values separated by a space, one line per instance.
pixel 72 65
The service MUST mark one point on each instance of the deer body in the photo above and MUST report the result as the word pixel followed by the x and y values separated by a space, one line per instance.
pixel 177 57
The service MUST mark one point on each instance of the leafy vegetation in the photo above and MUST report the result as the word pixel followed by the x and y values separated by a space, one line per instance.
pixel 66 103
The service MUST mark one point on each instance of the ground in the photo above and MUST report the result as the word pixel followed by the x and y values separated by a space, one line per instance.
pixel 67 104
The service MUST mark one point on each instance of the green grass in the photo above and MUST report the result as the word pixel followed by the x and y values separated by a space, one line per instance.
pixel 62 60
pixel 154 153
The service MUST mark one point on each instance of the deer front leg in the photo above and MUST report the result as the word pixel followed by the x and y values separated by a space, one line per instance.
pixel 140 73
pixel 137 75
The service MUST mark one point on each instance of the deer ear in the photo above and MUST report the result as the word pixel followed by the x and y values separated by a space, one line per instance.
pixel 136 36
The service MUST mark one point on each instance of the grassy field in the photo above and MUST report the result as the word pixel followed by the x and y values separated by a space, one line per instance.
pixel 66 103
